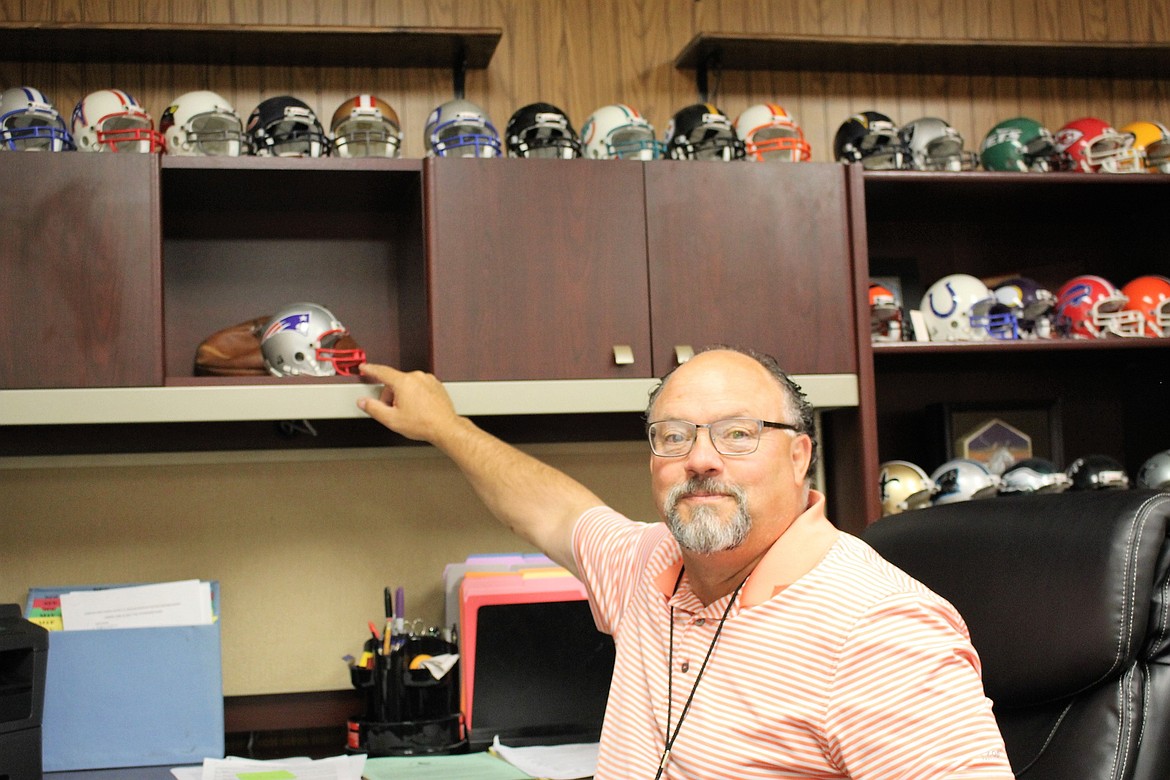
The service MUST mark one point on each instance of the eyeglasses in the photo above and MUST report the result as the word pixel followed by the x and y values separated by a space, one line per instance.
pixel 733 436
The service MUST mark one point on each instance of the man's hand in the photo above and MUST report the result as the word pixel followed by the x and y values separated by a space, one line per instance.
pixel 413 404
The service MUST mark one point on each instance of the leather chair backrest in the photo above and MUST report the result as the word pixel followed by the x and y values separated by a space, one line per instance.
pixel 1066 600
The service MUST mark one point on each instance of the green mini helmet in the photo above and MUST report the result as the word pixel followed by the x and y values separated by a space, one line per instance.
pixel 1020 145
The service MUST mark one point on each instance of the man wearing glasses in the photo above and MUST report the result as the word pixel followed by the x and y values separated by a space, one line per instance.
pixel 753 638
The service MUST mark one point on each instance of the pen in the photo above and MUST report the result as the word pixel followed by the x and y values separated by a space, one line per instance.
pixel 374 633
pixel 389 602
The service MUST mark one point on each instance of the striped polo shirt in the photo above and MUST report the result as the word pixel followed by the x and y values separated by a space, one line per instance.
pixel 855 670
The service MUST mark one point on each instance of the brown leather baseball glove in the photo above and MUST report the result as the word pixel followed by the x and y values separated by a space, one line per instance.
pixel 233 351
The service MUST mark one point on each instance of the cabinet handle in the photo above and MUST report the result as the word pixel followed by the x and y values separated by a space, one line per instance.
pixel 623 355
pixel 683 353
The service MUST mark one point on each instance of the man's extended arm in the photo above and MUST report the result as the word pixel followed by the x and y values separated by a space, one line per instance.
pixel 533 499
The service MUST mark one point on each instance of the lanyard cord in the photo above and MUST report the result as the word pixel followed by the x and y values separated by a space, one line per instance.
pixel 670 738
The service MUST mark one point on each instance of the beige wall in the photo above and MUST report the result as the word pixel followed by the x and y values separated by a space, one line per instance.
pixel 301 543
pixel 304 544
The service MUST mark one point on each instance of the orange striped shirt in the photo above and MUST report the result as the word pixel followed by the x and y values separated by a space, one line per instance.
pixel 855 670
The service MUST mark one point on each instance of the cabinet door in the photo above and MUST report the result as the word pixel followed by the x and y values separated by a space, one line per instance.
pixel 752 254
pixel 537 268
pixel 80 290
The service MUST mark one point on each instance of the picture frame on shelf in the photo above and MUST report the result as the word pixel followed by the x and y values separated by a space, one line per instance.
pixel 987 432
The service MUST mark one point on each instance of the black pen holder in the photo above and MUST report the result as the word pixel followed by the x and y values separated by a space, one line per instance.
pixel 407 710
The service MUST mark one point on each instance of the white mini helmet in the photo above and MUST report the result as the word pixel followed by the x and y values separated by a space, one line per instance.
pixel 30 123
pixel 1034 475
pixel 460 128
pixel 111 120
pixel 618 131
pixel 202 124
pixel 770 133
pixel 960 307
pixel 963 479
pixel 305 339
pixel 936 146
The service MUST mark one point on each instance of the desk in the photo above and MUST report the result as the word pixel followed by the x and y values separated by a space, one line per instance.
pixel 128 773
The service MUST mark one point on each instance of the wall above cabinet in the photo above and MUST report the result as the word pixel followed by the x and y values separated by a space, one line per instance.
pixel 286 45
pixel 736 51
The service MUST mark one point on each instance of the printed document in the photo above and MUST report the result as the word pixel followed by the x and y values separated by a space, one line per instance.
pixel 184 603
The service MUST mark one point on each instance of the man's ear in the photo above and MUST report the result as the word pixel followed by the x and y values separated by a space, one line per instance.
pixel 801 453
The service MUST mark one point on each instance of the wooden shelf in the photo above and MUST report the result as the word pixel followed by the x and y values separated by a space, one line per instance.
pixel 902 55
pixel 285 45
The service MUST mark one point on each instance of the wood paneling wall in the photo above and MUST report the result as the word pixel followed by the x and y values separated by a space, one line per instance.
pixel 582 55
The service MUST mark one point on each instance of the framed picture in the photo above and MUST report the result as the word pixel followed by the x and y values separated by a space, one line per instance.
pixel 993 432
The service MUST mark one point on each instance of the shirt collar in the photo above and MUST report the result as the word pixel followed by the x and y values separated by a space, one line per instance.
pixel 790 557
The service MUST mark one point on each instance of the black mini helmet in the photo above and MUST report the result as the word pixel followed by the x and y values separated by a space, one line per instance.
pixel 285 127
pixel 702 132
pixel 873 140
pixel 1097 472
pixel 542 130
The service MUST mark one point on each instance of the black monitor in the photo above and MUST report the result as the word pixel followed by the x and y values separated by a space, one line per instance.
pixel 542 673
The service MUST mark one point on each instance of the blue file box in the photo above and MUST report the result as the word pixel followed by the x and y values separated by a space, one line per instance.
pixel 133 697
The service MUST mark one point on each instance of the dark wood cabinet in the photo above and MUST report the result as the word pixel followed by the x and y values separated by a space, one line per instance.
pixel 80 285
pixel 537 269
pixel 755 255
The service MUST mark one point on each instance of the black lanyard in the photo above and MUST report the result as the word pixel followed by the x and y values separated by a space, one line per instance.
pixel 670 738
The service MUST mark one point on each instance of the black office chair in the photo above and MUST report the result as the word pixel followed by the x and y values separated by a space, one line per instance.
pixel 1068 602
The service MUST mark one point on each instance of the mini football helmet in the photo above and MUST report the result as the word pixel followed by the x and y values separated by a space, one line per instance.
pixel 936 146
pixel 1031 304
pixel 702 132
pixel 542 130
pixel 1033 475
pixel 1155 472
pixel 110 120
pixel 903 486
pixel 770 133
pixel 619 132
pixel 885 315
pixel 1090 307
pixel 305 339
pixel 960 307
pixel 1089 145
pixel 1149 296
pixel 1097 472
pixel 365 126
pixel 202 124
pixel 460 128
pixel 1151 140
pixel 29 123
pixel 1021 145
pixel 284 126
pixel 871 139
pixel 962 479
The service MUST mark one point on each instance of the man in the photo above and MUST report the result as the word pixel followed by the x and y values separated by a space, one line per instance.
pixel 753 638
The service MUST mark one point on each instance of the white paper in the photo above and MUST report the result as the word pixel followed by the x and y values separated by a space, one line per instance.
pixel 439 665
pixel 551 762
pixel 183 603
pixel 234 768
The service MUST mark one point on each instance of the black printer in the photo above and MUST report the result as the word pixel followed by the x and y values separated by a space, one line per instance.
pixel 24 651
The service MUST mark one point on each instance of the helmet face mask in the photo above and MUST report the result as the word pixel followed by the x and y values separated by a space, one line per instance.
pixel 30 123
